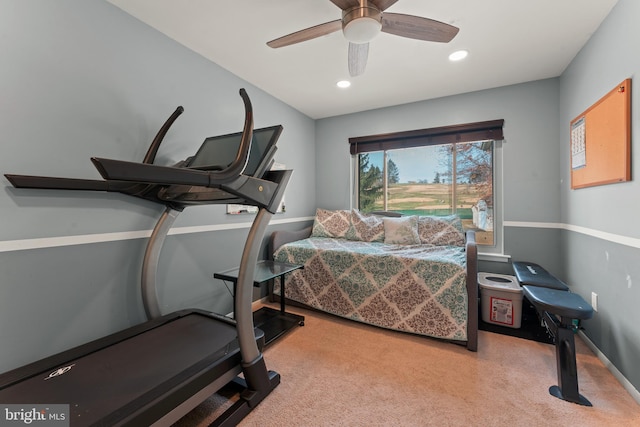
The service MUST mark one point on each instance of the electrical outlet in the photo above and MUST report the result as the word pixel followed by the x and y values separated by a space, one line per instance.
pixel 594 301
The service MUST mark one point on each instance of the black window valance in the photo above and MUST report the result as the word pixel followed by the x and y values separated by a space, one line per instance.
pixel 468 132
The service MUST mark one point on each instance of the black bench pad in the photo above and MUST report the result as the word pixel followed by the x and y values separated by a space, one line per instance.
pixel 529 273
pixel 561 303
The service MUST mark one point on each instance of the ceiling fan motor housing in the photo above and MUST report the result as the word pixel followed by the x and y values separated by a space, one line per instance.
pixel 361 24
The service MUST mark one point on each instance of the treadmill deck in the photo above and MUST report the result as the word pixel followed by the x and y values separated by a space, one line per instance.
pixel 133 372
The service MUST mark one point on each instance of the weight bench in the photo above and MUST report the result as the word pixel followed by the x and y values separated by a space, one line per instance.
pixel 552 300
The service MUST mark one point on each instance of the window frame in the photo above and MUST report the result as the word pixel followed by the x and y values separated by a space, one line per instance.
pixel 468 132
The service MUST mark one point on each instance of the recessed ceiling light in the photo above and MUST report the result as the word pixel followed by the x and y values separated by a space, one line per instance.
pixel 343 84
pixel 458 55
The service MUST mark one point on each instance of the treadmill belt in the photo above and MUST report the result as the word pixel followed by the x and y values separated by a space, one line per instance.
pixel 131 372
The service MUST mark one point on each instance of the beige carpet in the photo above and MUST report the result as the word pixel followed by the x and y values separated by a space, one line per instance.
pixel 341 373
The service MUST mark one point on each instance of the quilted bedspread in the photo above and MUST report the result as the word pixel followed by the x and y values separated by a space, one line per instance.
pixel 419 289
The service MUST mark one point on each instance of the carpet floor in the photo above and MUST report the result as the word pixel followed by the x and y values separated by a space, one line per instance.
pixel 337 372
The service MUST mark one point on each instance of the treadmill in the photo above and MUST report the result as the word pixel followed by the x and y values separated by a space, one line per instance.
pixel 156 372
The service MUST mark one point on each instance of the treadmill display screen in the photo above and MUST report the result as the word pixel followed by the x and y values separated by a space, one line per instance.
pixel 218 152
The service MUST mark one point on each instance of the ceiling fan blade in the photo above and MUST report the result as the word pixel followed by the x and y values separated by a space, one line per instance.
pixel 383 4
pixel 358 54
pixel 416 27
pixel 306 34
pixel 346 4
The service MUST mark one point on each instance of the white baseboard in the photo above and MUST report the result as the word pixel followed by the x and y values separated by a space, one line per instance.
pixel 259 303
pixel 254 305
pixel 617 374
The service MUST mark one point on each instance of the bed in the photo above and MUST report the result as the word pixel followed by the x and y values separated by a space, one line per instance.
pixel 418 277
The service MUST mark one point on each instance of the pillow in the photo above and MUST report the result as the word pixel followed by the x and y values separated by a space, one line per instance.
pixel 441 230
pixel 365 227
pixel 331 223
pixel 401 231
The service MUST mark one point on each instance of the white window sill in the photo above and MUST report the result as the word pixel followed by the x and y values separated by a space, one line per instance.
pixel 493 257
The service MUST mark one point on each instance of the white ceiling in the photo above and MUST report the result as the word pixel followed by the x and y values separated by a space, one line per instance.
pixel 510 41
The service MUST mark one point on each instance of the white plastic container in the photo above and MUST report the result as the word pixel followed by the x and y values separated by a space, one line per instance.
pixel 501 299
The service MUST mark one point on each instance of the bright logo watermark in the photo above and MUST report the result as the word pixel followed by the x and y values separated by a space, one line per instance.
pixel 36 415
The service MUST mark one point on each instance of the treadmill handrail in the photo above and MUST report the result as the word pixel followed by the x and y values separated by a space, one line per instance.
pixel 121 170
pixel 79 184
pixel 150 157
pixel 242 157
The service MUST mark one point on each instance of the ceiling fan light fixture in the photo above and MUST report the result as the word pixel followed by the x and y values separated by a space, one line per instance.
pixel 362 30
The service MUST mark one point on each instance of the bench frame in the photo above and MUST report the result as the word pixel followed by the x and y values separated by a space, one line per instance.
pixel 559 322
pixel 566 366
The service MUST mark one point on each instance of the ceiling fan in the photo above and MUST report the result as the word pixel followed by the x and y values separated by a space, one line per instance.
pixel 362 20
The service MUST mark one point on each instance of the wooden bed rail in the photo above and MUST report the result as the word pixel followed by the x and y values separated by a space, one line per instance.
pixel 472 290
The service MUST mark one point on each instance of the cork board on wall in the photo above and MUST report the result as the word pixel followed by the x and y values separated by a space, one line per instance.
pixel 601 140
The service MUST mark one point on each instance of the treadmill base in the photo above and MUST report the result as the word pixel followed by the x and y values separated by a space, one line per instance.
pixel 248 400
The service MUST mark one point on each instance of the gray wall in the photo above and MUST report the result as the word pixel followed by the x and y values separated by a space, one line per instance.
pixel 80 78
pixel 602 243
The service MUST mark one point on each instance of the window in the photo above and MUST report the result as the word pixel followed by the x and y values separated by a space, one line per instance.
pixel 440 171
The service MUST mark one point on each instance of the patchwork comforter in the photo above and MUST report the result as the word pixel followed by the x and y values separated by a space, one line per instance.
pixel 419 289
